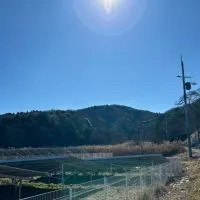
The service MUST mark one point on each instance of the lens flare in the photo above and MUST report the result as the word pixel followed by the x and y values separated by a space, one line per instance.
pixel 109 17
pixel 108 4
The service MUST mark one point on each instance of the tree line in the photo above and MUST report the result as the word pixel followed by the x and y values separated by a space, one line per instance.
pixel 109 124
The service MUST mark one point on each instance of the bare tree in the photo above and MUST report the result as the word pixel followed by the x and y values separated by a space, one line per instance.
pixel 192 96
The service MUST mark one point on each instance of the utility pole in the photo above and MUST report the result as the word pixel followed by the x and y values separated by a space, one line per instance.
pixel 186 85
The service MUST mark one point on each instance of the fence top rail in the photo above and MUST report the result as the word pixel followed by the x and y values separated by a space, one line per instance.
pixel 45 194
pixel 43 156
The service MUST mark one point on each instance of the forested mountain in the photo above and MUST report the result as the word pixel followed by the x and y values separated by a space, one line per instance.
pixel 108 124
pixel 171 125
pixel 94 125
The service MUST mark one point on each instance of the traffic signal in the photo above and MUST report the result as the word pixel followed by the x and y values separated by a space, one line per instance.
pixel 188 86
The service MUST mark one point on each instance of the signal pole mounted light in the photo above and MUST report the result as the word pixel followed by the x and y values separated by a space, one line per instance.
pixel 186 86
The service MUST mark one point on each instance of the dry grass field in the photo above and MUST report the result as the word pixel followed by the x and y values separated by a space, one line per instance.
pixel 131 148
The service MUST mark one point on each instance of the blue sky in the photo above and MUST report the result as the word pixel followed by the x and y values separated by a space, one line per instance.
pixel 50 59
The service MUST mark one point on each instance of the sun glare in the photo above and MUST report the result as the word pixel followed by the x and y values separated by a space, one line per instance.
pixel 108 5
pixel 110 17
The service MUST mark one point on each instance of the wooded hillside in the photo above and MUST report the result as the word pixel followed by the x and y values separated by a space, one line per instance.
pixel 108 124
pixel 94 125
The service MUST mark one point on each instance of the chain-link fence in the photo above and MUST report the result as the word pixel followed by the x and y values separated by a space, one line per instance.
pixel 34 154
pixel 127 186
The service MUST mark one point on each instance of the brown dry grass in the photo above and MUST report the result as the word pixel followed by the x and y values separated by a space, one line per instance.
pixel 130 148
pixel 150 193
pixel 193 188
pixel 188 186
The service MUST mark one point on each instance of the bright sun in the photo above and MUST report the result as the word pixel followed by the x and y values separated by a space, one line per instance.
pixel 108 5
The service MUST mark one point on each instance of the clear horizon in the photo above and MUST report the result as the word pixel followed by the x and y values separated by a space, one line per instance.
pixel 75 109
pixel 81 53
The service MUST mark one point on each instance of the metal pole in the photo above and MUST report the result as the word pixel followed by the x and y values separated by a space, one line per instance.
pixel 160 173
pixel 126 190
pixel 152 174
pixel 70 193
pixel 141 183
pixel 185 109
pixel 20 187
pixel 105 188
pixel 91 177
pixel 63 178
